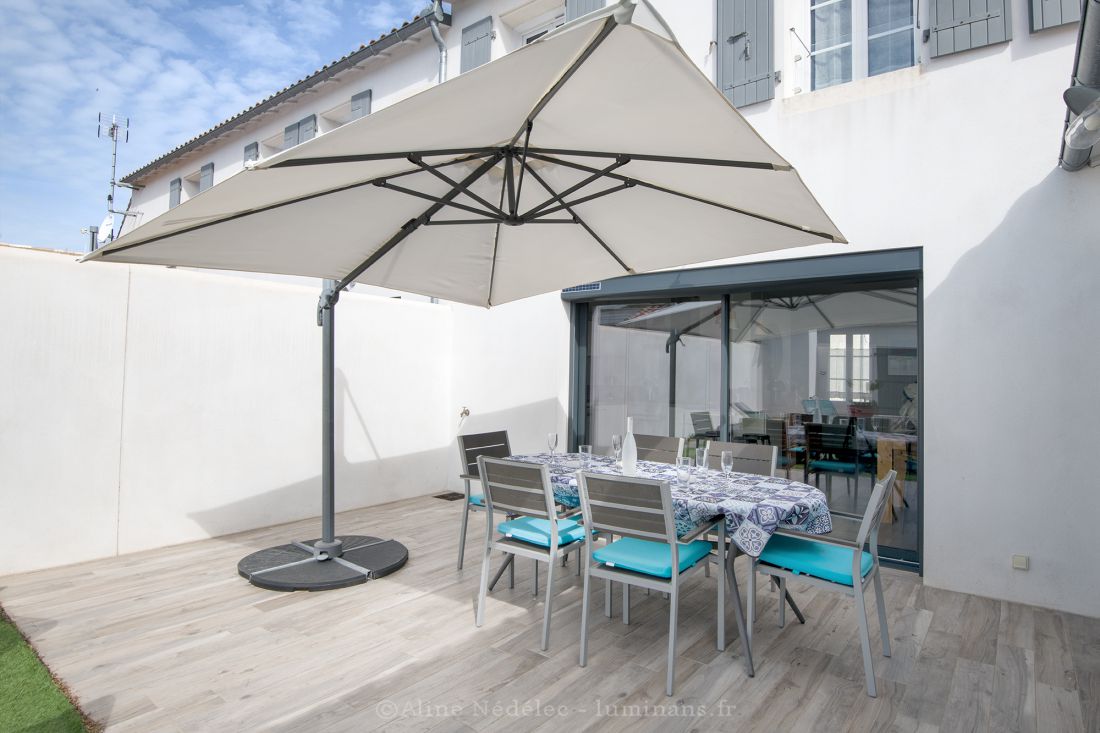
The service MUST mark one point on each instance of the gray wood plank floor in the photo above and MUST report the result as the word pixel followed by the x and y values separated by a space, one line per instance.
pixel 173 640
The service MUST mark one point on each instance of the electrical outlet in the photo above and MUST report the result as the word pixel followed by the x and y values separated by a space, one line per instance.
pixel 1020 562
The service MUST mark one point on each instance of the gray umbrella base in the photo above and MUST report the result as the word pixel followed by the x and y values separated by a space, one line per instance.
pixel 295 567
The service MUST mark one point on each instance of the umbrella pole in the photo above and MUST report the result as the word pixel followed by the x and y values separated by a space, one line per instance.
pixel 327 316
pixel 329 562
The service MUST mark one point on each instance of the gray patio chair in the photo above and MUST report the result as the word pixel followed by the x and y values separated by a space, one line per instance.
pixel 833 565
pixel 648 553
pixel 494 445
pixel 747 457
pixel 535 530
pixel 658 448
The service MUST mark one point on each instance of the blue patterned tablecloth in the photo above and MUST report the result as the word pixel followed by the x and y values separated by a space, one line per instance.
pixel 754 506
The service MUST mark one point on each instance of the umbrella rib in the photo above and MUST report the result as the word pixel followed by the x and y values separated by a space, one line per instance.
pixel 671 192
pixel 605 31
pixel 745 329
pixel 366 157
pixel 531 213
pixel 567 205
pixel 493 261
pixel 278 205
pixel 822 314
pixel 581 221
pixel 412 225
pixel 720 162
pixel 436 199
pixel 416 160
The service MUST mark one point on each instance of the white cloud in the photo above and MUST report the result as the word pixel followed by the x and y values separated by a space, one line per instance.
pixel 174 69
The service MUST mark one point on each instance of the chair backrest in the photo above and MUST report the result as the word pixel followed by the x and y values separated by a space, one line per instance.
pixel 494 445
pixel 627 506
pixel 891 424
pixel 876 508
pixel 747 457
pixel 776 431
pixel 754 426
pixel 658 448
pixel 701 422
pixel 834 440
pixel 516 488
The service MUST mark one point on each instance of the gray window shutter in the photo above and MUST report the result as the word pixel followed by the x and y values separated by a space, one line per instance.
pixel 360 104
pixel 477 44
pixel 206 177
pixel 307 128
pixel 290 136
pixel 746 62
pixel 577 8
pixel 174 188
pixel 1051 13
pixel 960 25
pixel 251 152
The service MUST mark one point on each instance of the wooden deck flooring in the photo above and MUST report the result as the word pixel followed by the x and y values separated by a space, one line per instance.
pixel 173 640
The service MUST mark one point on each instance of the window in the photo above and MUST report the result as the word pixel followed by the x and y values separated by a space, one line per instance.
pixel 541 30
pixel 174 188
pixel 852 39
pixel 206 177
pixel 360 104
pixel 299 132
pixel 251 152
pixel 850 367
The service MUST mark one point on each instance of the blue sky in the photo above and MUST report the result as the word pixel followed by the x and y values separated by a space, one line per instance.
pixel 173 68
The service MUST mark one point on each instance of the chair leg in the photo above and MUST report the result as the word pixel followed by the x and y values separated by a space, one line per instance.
pixel 782 602
pixel 484 587
pixel 462 532
pixel 865 641
pixel 535 577
pixel 743 629
pixel 607 598
pixel 626 604
pixel 752 598
pixel 673 609
pixel 883 630
pixel 580 558
pixel 548 603
pixel 584 616
pixel 512 572
pixel 721 570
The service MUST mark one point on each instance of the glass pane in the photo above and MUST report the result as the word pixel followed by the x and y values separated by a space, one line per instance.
pixel 890 52
pixel 888 15
pixel 831 43
pixel 834 358
pixel 660 363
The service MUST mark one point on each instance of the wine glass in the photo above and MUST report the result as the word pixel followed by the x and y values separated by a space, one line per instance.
pixel 683 469
pixel 727 464
pixel 552 442
pixel 617 447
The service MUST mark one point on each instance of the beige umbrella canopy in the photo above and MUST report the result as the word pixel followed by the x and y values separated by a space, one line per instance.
pixel 598 150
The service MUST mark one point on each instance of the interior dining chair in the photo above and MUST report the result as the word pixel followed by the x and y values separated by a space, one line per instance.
pixel 833 565
pixel 757 458
pixel 494 445
pixel 648 553
pixel 832 450
pixel 534 529
pixel 658 448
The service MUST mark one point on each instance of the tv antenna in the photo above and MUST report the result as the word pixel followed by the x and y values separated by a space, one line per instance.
pixel 115 128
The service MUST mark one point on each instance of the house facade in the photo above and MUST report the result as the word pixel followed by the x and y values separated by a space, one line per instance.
pixel 961 315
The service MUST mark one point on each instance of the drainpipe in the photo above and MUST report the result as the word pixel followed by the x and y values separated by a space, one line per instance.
pixel 435 14
pixel 1086 72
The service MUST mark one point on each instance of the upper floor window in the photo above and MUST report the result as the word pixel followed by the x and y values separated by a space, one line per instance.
pixel 175 187
pixel 853 39
pixel 538 31
pixel 251 152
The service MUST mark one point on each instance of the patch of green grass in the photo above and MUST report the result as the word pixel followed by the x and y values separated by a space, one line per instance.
pixel 30 699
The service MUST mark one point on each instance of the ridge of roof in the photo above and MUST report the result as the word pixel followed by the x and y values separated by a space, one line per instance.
pixel 397 35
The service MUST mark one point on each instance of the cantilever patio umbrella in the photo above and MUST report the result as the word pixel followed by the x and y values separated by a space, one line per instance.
pixel 598 150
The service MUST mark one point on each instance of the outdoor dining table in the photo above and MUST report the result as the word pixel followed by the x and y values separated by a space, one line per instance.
pixel 753 506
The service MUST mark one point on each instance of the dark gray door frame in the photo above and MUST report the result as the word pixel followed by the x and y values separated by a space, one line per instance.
pixel 712 283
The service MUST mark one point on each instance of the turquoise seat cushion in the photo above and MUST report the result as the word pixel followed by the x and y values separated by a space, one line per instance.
pixel 477 499
pixel 818 559
pixel 537 531
pixel 833 466
pixel 651 558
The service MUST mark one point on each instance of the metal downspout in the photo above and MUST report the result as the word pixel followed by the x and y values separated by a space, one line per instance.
pixel 433 24
pixel 1086 72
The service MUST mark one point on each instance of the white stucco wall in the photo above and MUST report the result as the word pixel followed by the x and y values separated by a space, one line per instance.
pixel 143 406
